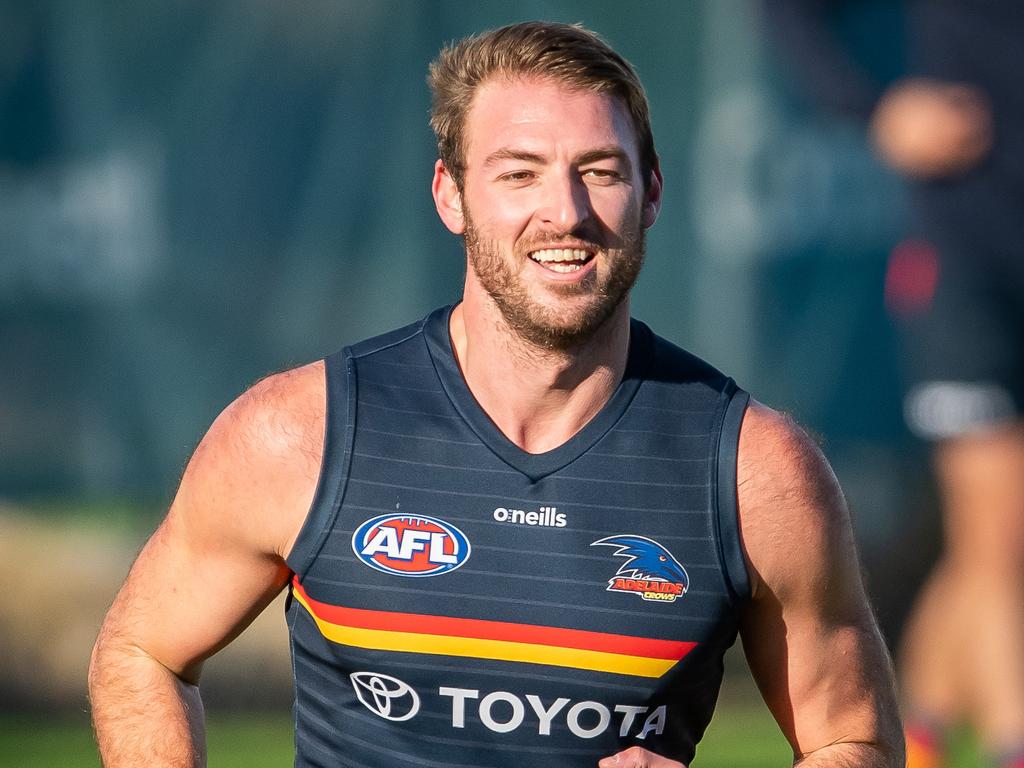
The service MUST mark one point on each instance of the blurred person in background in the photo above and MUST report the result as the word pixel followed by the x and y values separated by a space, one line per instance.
pixel 622 509
pixel 953 127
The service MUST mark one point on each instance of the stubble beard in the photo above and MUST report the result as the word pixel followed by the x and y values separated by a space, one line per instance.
pixel 553 328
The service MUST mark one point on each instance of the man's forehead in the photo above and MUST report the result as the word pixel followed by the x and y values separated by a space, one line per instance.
pixel 505 108
pixel 526 91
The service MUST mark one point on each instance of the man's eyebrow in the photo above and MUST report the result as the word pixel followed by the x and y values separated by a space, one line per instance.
pixel 611 152
pixel 603 153
pixel 508 153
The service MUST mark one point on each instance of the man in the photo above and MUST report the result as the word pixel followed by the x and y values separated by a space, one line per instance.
pixel 524 529
pixel 953 127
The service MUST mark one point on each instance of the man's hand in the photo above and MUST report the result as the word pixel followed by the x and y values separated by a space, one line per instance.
pixel 931 129
pixel 638 757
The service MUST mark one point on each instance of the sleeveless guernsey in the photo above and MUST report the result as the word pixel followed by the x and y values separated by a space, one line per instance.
pixel 458 603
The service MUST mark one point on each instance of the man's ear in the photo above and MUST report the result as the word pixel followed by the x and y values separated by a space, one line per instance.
pixel 652 197
pixel 448 199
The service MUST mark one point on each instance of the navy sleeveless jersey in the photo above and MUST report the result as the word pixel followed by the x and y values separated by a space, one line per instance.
pixel 458 602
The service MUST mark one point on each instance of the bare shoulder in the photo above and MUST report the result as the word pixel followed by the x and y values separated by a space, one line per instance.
pixel 258 464
pixel 792 510
pixel 778 460
pixel 279 417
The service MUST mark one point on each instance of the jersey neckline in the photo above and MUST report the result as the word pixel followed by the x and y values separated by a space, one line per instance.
pixel 533 465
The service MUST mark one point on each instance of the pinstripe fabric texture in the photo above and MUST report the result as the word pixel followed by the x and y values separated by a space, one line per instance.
pixel 541 637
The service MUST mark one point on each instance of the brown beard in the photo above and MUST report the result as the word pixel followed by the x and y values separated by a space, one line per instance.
pixel 541 326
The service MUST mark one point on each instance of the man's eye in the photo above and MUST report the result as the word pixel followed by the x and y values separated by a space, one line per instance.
pixel 601 174
pixel 517 176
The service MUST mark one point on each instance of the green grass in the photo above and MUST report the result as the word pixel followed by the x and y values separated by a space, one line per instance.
pixel 747 737
pixel 37 741
pixel 234 741
pixel 741 736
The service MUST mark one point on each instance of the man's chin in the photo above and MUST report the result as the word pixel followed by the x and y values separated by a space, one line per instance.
pixel 560 327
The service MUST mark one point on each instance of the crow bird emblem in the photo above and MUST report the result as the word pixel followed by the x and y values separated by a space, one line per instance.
pixel 645 559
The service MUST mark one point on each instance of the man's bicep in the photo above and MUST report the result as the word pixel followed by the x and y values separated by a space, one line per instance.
pixel 823 672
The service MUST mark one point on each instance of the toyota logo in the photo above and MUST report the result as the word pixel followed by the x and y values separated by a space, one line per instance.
pixel 385 696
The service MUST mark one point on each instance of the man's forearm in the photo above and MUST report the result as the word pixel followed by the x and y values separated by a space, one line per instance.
pixel 143 713
pixel 854 755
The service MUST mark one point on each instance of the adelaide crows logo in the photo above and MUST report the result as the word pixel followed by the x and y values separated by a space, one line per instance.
pixel 650 570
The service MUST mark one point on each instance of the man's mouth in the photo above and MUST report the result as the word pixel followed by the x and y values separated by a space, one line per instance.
pixel 562 259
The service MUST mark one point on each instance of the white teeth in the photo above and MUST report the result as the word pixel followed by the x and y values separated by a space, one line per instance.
pixel 563 267
pixel 559 254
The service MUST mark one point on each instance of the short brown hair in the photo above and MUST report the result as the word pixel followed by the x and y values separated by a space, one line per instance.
pixel 567 53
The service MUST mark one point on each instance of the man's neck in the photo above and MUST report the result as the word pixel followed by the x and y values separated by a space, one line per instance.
pixel 538 398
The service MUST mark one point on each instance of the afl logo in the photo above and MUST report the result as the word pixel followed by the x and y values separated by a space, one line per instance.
pixel 410 545
pixel 385 696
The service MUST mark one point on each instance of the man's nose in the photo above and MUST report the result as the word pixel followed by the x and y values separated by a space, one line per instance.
pixel 566 202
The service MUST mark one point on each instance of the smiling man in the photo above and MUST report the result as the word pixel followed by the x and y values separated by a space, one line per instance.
pixel 525 529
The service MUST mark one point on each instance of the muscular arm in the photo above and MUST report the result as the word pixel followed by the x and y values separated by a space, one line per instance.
pixel 809 635
pixel 213 564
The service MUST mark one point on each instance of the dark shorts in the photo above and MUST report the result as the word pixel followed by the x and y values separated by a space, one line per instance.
pixel 959 297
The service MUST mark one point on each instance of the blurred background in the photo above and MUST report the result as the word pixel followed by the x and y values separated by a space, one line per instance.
pixel 194 194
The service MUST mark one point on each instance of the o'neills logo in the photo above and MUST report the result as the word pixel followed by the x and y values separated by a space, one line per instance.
pixel 546 516
pixel 650 570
